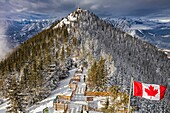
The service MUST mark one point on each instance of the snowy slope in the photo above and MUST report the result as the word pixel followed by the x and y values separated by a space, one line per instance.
pixel 74 106
pixel 3 108
pixel 48 102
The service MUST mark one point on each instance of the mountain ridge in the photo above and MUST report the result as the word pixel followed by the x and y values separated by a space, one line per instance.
pixel 152 31
pixel 157 34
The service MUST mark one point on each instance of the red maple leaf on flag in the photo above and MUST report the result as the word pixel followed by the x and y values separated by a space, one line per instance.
pixel 151 91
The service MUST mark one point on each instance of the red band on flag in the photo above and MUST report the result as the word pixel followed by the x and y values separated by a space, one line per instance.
pixel 137 89
pixel 162 91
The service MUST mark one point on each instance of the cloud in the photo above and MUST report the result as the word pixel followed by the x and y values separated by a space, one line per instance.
pixel 125 7
pixel 95 6
pixel 21 10
pixel 4 46
pixel 101 7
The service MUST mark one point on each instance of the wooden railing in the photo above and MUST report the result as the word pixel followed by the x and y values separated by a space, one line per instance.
pixel 97 94
pixel 60 97
pixel 60 106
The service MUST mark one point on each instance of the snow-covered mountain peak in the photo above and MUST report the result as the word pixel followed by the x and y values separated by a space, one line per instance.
pixel 72 17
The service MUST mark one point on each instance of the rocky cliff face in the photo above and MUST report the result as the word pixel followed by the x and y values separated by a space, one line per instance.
pixel 132 57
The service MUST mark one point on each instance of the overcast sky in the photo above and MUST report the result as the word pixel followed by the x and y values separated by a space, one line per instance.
pixel 59 8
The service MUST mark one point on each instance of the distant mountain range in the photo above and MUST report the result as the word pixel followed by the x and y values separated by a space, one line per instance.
pixel 21 30
pixel 152 31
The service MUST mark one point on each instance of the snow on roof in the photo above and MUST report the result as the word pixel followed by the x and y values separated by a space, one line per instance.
pixel 78 74
pixel 100 98
pixel 99 105
pixel 95 104
pixel 74 82
pixel 66 92
pixel 81 102
pixel 95 112
pixel 59 111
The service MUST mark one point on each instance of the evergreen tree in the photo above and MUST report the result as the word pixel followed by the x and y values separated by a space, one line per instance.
pixel 101 75
pixel 14 96
pixel 75 41
pixel 97 75
pixel 62 54
pixel 92 75
pixel 68 49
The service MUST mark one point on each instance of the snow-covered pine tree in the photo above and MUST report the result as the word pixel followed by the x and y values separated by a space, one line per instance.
pixel 14 96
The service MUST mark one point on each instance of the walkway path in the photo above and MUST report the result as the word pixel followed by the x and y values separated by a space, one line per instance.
pixel 78 100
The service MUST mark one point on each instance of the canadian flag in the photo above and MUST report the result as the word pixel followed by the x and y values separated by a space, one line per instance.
pixel 148 91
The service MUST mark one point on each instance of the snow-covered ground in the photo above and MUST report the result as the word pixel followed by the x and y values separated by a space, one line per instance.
pixel 3 108
pixel 48 102
pixel 75 105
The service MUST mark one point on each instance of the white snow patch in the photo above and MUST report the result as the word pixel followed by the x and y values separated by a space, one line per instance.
pixel 140 27
pixel 166 36
pixel 61 23
pixel 161 19
pixel 3 108
pixel 66 20
pixel 66 92
pixel 152 34
pixel 98 102
pixel 81 102
pixel 72 18
pixel 133 33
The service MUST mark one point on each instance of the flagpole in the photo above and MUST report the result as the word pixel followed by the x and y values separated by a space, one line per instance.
pixel 131 83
